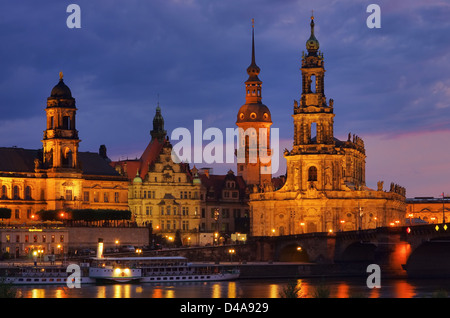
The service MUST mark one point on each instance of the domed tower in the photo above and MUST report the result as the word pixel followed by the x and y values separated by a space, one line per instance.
pixel 254 121
pixel 60 140
pixel 313 117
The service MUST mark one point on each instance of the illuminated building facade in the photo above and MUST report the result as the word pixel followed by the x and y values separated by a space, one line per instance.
pixel 421 210
pixel 58 176
pixel 225 208
pixel 163 194
pixel 325 186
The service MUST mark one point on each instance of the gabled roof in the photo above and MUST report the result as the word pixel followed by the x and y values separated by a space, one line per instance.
pixel 148 157
pixel 22 160
pixel 216 183
pixel 18 159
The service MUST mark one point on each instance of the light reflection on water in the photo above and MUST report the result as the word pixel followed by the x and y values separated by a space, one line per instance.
pixel 255 288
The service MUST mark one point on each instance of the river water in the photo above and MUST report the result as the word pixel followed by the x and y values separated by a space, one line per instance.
pixel 247 288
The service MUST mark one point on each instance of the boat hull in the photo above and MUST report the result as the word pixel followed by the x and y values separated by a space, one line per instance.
pixel 43 280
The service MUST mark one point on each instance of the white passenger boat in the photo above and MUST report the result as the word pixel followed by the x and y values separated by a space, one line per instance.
pixel 156 269
pixel 41 275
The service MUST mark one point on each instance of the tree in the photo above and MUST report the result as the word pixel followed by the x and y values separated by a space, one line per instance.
pixel 5 213
pixel 87 215
pixel 177 240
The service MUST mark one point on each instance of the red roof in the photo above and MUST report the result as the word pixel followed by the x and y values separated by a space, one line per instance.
pixel 148 157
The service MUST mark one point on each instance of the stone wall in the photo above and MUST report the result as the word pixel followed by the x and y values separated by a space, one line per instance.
pixel 87 237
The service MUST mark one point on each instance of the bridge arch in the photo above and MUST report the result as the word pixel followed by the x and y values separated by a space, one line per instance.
pixel 359 252
pixel 430 259
pixel 293 253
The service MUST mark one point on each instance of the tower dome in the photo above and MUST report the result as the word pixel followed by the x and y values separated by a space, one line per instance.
pixel 61 90
pixel 312 45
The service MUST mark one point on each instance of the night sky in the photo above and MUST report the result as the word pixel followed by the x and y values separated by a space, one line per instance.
pixel 390 85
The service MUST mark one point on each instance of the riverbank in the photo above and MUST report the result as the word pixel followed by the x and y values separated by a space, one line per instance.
pixel 254 270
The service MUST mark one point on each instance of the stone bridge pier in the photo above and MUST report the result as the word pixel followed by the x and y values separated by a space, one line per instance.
pixel 385 247
pixel 313 247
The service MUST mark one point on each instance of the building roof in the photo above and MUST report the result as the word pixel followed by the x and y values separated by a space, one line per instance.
pixel 23 160
pixel 215 183
pixel 132 168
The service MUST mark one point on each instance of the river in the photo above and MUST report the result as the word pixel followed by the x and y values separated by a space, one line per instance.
pixel 246 288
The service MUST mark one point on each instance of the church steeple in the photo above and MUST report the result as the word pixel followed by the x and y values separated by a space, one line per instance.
pixel 254 119
pixel 253 83
pixel 158 131
pixel 313 116
pixel 312 45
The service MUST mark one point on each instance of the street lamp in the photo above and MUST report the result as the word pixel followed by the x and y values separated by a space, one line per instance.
pixel 216 237
pixel 35 253
pixel 231 251
pixel 302 224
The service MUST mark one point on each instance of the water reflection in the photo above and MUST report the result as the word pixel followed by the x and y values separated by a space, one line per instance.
pixel 337 288
pixel 343 291
pixel 404 290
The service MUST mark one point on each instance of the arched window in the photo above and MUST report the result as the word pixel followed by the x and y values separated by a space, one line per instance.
pixel 16 193
pixel 312 88
pixel 67 160
pixel 28 193
pixel 313 131
pixel 66 122
pixel 312 174
pixel 4 192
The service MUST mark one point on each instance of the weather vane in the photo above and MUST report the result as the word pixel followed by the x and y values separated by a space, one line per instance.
pixel 253 23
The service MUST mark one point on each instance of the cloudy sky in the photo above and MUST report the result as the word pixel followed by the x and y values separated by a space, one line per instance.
pixel 391 85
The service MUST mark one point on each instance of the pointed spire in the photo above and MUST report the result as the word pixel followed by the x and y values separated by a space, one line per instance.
pixel 253 70
pixel 158 131
pixel 253 42
pixel 312 45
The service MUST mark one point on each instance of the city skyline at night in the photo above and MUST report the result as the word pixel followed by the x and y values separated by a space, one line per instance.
pixel 389 85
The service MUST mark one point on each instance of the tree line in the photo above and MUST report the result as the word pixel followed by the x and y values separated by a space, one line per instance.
pixel 87 215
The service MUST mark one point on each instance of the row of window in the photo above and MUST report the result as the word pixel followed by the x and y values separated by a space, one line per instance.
pixel 106 197
pixel 16 195
pixel 225 213
pixel 152 195
pixel 35 238
pixel 173 210
pixel 17 214
pixel 166 210
pixel 172 225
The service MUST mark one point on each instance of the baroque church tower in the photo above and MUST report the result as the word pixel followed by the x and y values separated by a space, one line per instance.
pixel 254 121
pixel 325 188
pixel 61 140
pixel 316 160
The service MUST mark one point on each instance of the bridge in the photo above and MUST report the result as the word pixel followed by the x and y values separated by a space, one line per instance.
pixel 416 251
pixel 421 250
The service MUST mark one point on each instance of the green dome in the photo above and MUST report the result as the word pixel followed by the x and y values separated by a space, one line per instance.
pixel 312 45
